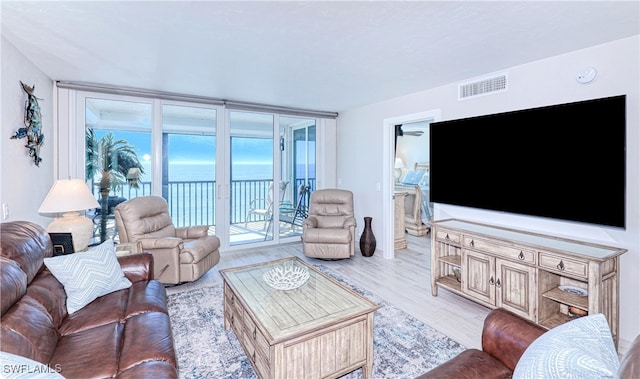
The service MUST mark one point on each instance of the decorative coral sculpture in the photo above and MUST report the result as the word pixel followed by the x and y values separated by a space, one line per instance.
pixel 33 125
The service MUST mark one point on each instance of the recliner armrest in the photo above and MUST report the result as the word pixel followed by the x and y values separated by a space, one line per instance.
pixel 349 222
pixel 192 232
pixel 310 222
pixel 505 336
pixel 137 267
pixel 162 243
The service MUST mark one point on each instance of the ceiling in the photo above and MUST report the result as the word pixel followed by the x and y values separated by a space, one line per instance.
pixel 321 55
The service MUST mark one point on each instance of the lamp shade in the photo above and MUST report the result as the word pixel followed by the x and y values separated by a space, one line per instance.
pixel 399 163
pixel 68 195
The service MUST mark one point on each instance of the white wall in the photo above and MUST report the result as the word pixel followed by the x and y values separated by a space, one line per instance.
pixel 414 149
pixel 23 186
pixel 545 82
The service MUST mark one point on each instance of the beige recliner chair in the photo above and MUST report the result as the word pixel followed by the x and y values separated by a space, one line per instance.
pixel 329 231
pixel 179 254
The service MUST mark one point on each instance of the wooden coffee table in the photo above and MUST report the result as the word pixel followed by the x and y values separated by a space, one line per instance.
pixel 319 330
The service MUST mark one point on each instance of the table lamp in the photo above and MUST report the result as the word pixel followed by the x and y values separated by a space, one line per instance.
pixel 399 165
pixel 69 196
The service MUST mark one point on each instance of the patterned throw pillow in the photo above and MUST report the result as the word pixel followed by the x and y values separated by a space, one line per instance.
pixel 582 348
pixel 88 275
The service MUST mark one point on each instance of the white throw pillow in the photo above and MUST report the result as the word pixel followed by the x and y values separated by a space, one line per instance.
pixel 17 367
pixel 582 348
pixel 88 275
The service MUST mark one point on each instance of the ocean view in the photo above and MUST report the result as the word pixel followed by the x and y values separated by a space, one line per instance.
pixel 205 171
pixel 190 171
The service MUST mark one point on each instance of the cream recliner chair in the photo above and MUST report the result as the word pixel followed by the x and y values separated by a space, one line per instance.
pixel 329 231
pixel 179 254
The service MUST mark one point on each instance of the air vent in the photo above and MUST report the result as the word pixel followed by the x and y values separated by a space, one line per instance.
pixel 481 87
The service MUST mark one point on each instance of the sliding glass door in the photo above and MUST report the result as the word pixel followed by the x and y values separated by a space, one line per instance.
pixel 253 195
pixel 189 164
pixel 297 161
pixel 247 175
pixel 117 156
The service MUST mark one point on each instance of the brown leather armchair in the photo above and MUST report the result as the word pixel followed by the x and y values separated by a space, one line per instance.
pixel 180 254
pixel 329 231
pixel 505 337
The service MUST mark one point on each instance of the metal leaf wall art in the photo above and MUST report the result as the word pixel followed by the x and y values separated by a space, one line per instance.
pixel 32 130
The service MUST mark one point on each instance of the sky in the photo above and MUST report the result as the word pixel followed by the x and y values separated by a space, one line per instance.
pixel 198 148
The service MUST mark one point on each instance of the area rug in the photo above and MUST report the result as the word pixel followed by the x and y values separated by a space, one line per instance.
pixel 403 346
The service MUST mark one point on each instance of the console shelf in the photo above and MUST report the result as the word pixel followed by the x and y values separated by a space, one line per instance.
pixel 454 260
pixel 562 297
pixel 523 272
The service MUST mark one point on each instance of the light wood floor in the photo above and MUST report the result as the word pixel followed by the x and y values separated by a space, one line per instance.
pixel 403 282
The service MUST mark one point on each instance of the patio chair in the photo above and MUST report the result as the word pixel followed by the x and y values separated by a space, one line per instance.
pixel 293 216
pixel 179 254
pixel 263 208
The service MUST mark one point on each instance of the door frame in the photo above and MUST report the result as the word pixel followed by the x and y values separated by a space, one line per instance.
pixel 388 174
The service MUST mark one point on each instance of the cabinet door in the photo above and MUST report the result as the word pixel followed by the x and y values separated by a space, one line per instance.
pixel 478 278
pixel 515 288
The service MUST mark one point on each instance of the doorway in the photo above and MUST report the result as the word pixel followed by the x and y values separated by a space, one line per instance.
pixel 389 171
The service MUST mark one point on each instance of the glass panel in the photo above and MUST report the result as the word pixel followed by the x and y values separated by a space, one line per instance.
pixel 298 162
pixel 189 162
pixel 251 164
pixel 118 156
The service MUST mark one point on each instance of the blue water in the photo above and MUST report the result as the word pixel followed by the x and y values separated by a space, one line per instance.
pixel 200 171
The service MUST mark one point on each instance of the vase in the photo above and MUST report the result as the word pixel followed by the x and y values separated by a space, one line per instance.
pixel 367 239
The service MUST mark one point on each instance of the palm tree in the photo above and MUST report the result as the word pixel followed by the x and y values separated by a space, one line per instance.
pixel 118 164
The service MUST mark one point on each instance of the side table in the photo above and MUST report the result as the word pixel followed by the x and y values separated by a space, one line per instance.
pixel 400 241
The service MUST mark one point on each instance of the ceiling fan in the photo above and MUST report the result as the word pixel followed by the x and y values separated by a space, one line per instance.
pixel 400 132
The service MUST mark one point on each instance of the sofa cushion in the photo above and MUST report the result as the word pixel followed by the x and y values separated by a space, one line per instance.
pixel 151 369
pixel 88 275
pixel 26 244
pixel 91 353
pixel 13 281
pixel 581 348
pixel 141 297
pixel 152 329
pixel 27 330
pixel 19 367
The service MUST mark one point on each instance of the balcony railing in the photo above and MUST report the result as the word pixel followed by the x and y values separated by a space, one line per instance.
pixel 193 202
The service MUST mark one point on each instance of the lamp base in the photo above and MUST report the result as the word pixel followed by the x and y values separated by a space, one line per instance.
pixel 80 227
pixel 398 173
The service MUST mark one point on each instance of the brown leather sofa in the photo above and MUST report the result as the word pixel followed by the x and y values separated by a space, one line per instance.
pixel 505 337
pixel 125 334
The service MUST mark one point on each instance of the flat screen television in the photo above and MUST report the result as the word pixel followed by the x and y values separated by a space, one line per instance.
pixel 563 161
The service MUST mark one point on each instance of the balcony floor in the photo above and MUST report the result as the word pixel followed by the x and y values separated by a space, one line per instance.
pixel 254 231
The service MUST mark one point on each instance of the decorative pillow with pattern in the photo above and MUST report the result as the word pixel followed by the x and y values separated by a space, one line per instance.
pixel 582 348
pixel 88 275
